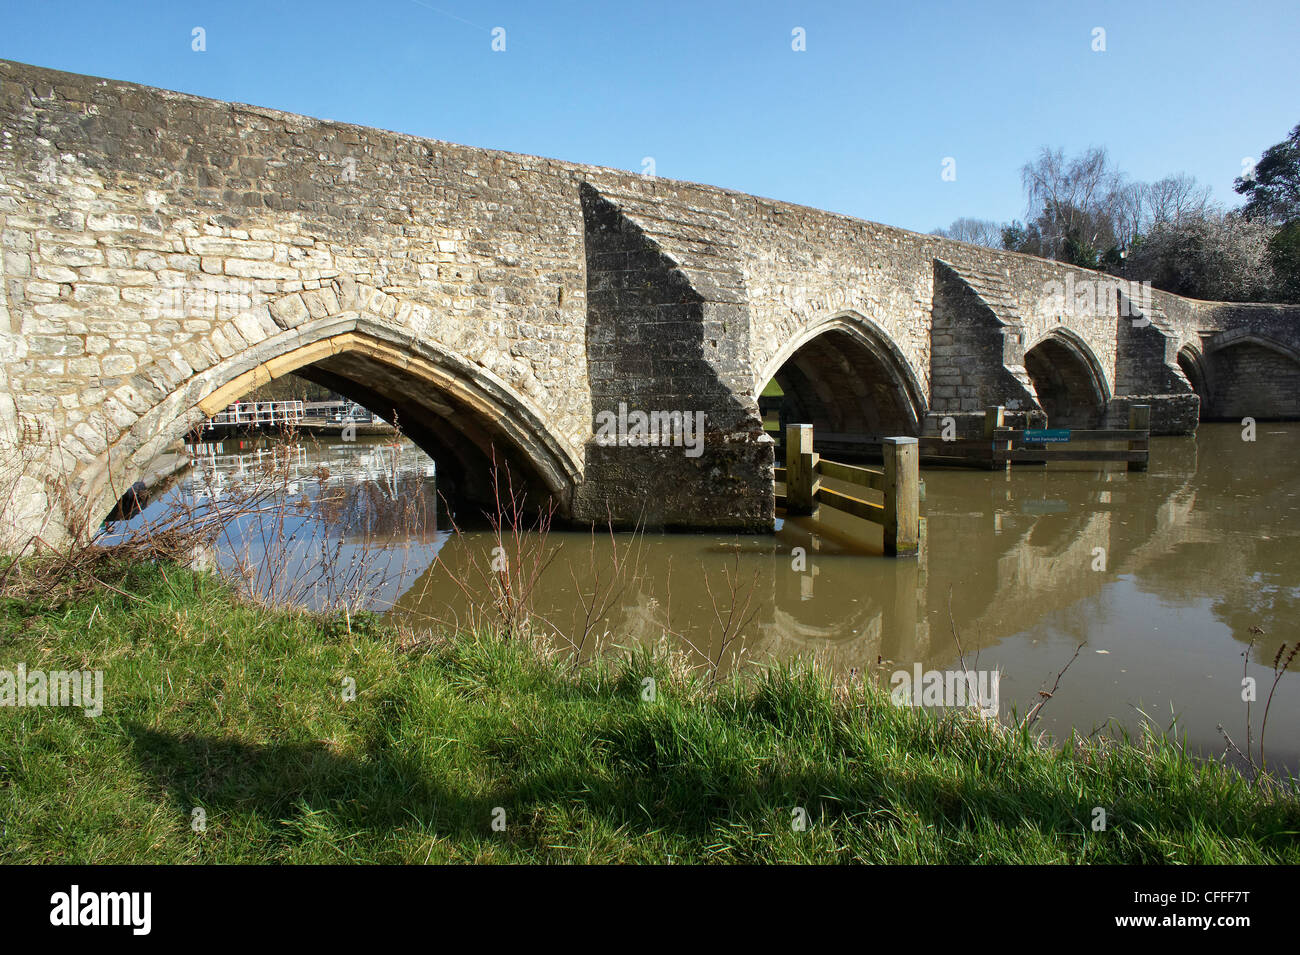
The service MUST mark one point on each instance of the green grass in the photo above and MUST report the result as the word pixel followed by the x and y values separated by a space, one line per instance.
pixel 239 710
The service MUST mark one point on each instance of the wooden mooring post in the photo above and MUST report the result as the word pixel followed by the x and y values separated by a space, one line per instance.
pixel 800 470
pixel 995 417
pixel 899 481
pixel 902 497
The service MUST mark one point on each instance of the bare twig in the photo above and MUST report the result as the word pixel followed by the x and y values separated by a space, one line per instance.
pixel 1045 695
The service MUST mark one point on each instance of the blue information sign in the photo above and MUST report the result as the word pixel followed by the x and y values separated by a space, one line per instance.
pixel 1047 435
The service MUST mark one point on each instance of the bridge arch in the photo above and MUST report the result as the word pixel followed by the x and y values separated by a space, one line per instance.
pixel 845 374
pixel 1068 379
pixel 1230 340
pixel 458 412
pixel 1249 374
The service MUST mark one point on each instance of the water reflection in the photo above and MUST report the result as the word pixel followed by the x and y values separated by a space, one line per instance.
pixel 1163 575
pixel 323 525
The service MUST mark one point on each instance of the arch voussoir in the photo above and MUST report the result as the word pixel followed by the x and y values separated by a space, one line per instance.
pixel 172 407
pixel 847 358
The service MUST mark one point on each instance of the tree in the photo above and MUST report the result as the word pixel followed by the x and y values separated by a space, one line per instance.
pixel 1080 252
pixel 291 387
pixel 1173 200
pixel 1284 256
pixel 975 231
pixel 1073 202
pixel 1018 237
pixel 1082 210
pixel 1273 189
pixel 1132 202
pixel 1215 255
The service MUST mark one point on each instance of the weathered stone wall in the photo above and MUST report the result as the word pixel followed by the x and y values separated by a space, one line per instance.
pixel 804 267
pixel 164 254
pixel 1248 354
pixel 977 356
pixel 659 338
pixel 149 234
pixel 1249 380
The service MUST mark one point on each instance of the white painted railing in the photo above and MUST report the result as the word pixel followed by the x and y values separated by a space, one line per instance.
pixel 258 413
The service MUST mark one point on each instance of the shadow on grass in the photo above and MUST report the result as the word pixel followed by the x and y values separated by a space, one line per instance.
pixel 382 790
pixel 645 773
pixel 276 782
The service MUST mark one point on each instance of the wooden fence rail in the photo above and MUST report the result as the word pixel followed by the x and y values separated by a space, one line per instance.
pixel 899 480
pixel 1000 446
pixel 1042 445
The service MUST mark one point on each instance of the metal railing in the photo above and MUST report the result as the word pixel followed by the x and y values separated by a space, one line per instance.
pixel 255 413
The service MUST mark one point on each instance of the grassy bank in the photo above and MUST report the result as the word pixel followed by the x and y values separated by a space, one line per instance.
pixel 240 711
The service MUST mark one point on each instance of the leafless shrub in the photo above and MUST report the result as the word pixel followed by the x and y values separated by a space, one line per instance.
pixel 521 553
pixel 68 554
pixel 603 584
pixel 737 615
pixel 1044 695
pixel 322 546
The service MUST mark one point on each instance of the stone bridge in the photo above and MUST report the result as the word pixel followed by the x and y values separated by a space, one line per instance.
pixel 164 254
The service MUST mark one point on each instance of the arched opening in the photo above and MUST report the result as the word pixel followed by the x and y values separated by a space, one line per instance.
pixel 1068 381
pixel 1193 368
pixel 846 378
pixel 462 417
pixel 1255 377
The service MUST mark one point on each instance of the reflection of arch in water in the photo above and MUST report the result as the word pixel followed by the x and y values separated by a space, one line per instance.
pixel 1068 380
pixel 1040 576
pixel 1056 532
pixel 1040 563
pixel 854 642
pixel 838 606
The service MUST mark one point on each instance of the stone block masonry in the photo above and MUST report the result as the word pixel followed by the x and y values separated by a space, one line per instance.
pixel 163 254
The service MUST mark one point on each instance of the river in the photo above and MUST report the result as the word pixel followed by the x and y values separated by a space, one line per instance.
pixel 1165 578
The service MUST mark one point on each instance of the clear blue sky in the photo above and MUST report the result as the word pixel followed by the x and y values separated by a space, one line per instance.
pixel 859 122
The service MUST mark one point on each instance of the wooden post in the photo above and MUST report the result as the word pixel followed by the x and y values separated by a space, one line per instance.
pixel 902 497
pixel 800 469
pixel 995 417
pixel 1139 419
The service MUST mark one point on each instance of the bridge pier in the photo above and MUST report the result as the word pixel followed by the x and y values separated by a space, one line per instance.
pixel 727 486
